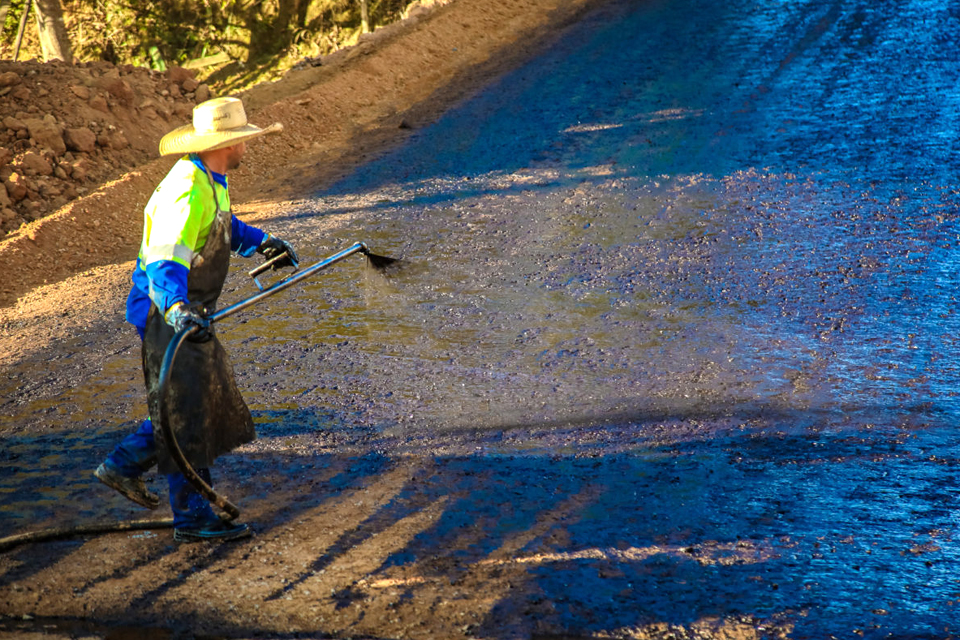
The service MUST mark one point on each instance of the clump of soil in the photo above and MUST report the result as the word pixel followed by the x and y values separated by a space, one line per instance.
pixel 65 129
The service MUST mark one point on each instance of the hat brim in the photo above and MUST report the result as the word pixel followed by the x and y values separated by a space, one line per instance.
pixel 186 140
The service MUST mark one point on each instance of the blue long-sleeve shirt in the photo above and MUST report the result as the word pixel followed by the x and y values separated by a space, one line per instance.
pixel 177 220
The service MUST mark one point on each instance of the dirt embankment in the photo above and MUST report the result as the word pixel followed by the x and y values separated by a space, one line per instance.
pixel 68 128
pixel 78 143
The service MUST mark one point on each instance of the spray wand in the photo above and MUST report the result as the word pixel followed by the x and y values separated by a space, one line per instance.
pixel 379 262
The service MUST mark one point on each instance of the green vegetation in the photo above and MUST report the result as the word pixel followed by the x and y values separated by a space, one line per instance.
pixel 232 43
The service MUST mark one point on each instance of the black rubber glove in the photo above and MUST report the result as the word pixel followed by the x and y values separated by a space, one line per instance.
pixel 181 317
pixel 272 246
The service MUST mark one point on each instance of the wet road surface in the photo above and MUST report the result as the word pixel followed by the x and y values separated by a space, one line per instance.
pixel 674 346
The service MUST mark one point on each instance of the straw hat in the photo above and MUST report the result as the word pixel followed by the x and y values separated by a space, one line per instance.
pixel 217 123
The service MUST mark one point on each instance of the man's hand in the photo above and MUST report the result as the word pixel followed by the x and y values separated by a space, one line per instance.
pixel 272 246
pixel 180 317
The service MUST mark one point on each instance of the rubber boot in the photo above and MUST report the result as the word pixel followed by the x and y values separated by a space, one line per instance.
pixel 193 517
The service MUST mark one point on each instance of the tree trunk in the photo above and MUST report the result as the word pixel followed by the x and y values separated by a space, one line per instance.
pixel 4 7
pixel 20 30
pixel 364 17
pixel 53 32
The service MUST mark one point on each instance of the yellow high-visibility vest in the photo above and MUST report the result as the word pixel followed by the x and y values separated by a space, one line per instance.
pixel 179 215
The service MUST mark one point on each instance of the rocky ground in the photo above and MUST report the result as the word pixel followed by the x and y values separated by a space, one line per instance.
pixel 69 128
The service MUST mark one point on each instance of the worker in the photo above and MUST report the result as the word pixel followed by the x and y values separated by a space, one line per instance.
pixel 188 234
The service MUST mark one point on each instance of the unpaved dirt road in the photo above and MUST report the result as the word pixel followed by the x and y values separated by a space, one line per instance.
pixel 672 354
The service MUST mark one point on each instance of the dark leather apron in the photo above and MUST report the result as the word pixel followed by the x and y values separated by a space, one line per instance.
pixel 206 412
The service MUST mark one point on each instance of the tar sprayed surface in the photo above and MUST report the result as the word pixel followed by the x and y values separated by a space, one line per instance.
pixel 673 347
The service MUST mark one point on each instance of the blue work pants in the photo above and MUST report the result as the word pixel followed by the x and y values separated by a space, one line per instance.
pixel 137 453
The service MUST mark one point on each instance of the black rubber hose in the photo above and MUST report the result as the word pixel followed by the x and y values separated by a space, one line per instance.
pixel 173 447
pixel 57 533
